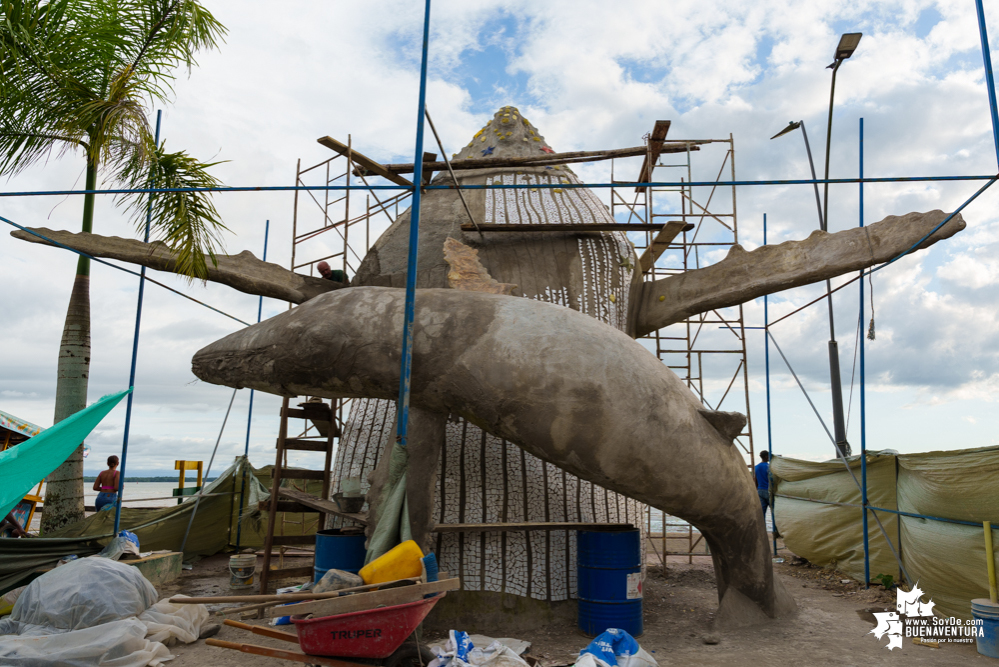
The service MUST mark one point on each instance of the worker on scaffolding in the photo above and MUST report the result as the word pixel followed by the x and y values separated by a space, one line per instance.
pixel 336 275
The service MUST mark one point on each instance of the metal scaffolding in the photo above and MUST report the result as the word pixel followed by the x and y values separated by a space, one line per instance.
pixel 699 223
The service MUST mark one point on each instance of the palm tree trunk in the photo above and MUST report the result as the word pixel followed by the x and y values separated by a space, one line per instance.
pixel 64 487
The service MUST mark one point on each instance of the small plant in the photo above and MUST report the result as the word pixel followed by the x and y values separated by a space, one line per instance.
pixel 886 580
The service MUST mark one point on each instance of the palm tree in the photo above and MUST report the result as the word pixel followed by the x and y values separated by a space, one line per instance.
pixel 76 76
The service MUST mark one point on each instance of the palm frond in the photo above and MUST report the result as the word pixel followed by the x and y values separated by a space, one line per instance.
pixel 186 221
pixel 79 72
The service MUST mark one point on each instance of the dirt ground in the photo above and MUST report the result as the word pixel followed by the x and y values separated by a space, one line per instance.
pixel 830 628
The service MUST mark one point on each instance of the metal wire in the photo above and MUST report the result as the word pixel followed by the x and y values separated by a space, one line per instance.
pixel 120 268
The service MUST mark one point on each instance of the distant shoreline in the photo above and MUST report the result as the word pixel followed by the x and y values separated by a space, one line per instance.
pixel 93 478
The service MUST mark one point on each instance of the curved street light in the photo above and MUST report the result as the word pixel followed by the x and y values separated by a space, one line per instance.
pixel 847 45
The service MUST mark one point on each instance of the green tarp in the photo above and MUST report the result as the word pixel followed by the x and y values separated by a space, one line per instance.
pixel 22 467
pixel 392 525
pixel 946 559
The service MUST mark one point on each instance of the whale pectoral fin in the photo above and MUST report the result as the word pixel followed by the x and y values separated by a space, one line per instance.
pixel 728 424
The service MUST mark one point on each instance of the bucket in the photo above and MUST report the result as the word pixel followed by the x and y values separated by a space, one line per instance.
pixel 337 551
pixel 610 581
pixel 241 569
pixel 988 613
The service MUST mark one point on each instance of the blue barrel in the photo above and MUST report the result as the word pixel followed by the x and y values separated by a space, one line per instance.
pixel 987 614
pixel 610 581
pixel 337 551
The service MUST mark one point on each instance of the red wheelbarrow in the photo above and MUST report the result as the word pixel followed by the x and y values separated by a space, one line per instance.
pixel 375 634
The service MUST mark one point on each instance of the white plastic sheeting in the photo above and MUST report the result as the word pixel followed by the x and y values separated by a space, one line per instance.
pixel 95 612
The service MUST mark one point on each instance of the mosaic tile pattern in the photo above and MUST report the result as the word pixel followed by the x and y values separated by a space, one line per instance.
pixel 484 479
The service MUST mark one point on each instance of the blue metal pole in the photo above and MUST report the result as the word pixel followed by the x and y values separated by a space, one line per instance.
pixel 260 308
pixel 135 354
pixel 406 370
pixel 989 80
pixel 249 413
pixel 766 357
pixel 863 405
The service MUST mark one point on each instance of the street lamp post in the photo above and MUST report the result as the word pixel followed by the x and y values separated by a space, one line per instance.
pixel 847 45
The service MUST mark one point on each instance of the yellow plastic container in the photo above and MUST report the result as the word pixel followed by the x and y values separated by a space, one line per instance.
pixel 400 562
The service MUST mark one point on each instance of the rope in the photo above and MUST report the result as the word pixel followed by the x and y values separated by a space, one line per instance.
pixel 853 373
pixel 454 178
pixel 845 462
pixel 197 499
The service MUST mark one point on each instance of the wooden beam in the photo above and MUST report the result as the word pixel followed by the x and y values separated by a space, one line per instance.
pixel 538 160
pixel 319 411
pixel 292 540
pixel 292 473
pixel 281 598
pixel 320 505
pixel 529 525
pixel 306 445
pixel 366 601
pixel 659 244
pixel 284 573
pixel 263 631
pixel 364 161
pixel 281 654
pixel 659 132
pixel 581 227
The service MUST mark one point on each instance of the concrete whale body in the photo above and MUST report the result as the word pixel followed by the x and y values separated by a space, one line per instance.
pixel 564 386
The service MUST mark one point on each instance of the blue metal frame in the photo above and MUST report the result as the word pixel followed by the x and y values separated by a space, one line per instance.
pixel 135 353
pixel 989 80
pixel 249 413
pixel 766 356
pixel 863 404
pixel 406 371
pixel 260 309
pixel 565 186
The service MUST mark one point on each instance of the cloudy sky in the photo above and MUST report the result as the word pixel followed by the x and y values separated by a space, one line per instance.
pixel 590 75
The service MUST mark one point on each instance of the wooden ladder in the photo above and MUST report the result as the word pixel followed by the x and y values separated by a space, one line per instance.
pixel 292 500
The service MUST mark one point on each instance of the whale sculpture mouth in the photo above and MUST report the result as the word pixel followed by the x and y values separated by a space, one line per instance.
pixel 563 386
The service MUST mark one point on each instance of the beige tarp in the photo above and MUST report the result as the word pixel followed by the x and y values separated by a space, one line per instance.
pixel 946 559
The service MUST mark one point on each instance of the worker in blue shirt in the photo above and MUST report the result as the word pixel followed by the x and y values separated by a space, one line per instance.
pixel 762 471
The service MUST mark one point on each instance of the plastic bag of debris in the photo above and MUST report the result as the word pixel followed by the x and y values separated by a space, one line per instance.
pixel 460 652
pixel 124 543
pixel 615 648
pixel 95 611
pixel 336 580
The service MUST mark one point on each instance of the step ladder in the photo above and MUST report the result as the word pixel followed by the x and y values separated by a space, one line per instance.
pixel 321 420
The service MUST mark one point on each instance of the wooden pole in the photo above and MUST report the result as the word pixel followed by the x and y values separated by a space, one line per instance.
pixel 533 161
pixel 990 557
pixel 288 597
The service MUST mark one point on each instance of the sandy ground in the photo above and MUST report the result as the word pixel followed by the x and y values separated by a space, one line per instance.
pixel 830 628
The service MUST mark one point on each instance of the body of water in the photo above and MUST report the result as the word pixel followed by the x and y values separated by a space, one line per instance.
pixel 654 524
pixel 136 494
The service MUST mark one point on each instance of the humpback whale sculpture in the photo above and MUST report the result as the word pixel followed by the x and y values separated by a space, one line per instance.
pixel 556 374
